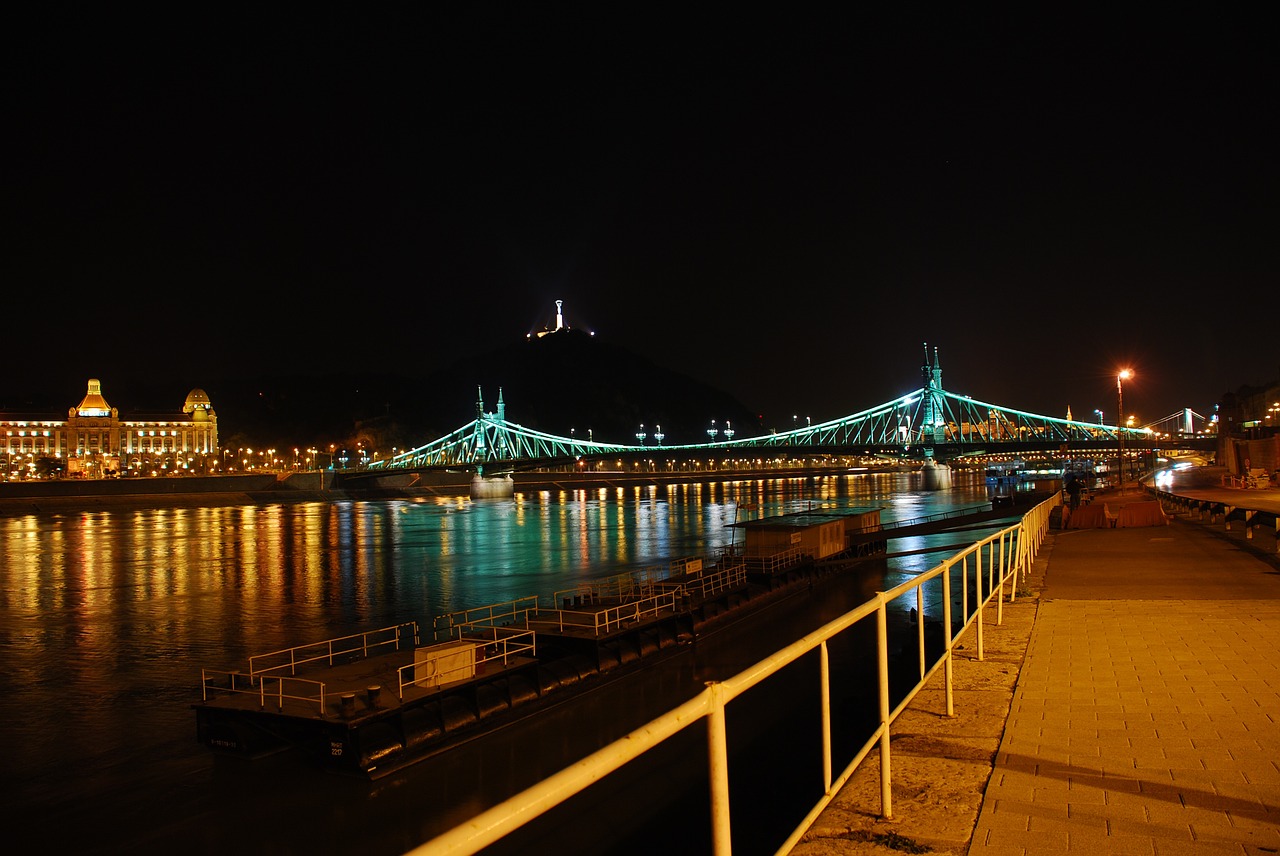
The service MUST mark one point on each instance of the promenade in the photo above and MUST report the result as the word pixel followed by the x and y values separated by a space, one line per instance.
pixel 1129 704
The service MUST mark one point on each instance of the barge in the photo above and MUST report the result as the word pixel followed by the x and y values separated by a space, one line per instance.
pixel 373 702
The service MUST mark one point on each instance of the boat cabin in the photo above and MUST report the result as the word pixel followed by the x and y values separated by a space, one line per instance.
pixel 816 533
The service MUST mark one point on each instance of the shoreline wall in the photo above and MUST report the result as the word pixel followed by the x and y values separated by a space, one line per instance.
pixel 80 494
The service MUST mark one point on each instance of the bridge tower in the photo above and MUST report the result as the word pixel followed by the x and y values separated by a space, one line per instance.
pixel 501 486
pixel 933 428
pixel 932 411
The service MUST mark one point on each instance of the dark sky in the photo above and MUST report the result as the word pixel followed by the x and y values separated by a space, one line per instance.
pixel 784 205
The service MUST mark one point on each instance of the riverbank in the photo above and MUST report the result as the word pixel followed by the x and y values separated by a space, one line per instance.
pixel 35 497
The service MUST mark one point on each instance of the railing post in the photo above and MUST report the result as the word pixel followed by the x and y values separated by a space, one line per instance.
pixel 920 627
pixel 1006 560
pixel 824 677
pixel 718 767
pixel 946 654
pixel 977 585
pixel 882 658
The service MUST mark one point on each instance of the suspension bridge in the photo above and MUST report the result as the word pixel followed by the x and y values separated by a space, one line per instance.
pixel 929 424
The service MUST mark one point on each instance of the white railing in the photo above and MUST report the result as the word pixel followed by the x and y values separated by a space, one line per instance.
pixel 773 562
pixel 731 573
pixel 1211 509
pixel 215 682
pixel 511 612
pixel 998 560
pixel 604 619
pixel 492 645
pixel 628 585
pixel 330 651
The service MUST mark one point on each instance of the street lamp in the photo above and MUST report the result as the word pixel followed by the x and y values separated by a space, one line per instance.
pixel 1124 375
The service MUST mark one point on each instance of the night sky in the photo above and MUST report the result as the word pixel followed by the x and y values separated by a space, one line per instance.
pixel 787 206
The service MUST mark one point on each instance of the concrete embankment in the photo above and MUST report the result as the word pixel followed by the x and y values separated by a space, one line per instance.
pixel 79 494
pixel 67 494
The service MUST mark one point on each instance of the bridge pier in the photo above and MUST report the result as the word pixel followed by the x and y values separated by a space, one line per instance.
pixel 492 487
pixel 936 476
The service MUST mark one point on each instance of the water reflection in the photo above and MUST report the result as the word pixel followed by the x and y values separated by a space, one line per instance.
pixel 107 616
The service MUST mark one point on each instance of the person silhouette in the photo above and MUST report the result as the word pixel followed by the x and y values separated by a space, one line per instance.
pixel 1073 490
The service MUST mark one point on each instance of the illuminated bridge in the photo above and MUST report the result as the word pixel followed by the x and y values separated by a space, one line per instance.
pixel 930 423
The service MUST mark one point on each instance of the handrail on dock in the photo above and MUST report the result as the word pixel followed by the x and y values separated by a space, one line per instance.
pixel 220 682
pixel 487 644
pixel 509 612
pixel 605 619
pixel 628 585
pixel 772 561
pixel 932 518
pixel 729 574
pixel 354 646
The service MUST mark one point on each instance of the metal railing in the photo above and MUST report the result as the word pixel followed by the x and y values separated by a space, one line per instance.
pixel 997 561
pixel 346 648
pixel 729 574
pixel 510 612
pixel 491 644
pixel 604 619
pixel 262 681
pixel 214 682
pixel 929 518
pixel 775 561
pixel 628 585
pixel 1213 510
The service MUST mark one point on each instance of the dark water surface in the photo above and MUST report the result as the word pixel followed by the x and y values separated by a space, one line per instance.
pixel 106 618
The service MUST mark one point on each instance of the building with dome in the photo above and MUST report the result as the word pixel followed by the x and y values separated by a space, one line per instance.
pixel 93 441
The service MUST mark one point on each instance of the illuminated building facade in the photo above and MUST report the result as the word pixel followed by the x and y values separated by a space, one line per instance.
pixel 93 441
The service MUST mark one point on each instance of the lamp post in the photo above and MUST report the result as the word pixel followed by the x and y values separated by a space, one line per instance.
pixel 1124 375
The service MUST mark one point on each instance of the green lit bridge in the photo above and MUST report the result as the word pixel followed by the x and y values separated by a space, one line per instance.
pixel 928 424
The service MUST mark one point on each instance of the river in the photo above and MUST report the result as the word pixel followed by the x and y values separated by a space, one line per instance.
pixel 107 617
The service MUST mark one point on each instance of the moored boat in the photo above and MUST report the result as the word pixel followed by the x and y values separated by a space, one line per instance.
pixel 373 702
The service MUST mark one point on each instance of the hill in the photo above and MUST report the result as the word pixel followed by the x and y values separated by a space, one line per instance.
pixel 566 383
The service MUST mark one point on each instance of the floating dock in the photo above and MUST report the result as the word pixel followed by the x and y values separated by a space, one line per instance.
pixel 373 702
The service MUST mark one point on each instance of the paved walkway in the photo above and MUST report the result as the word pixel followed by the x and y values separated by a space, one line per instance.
pixel 1147 713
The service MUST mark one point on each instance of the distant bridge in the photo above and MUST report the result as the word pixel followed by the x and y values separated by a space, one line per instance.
pixel 929 423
